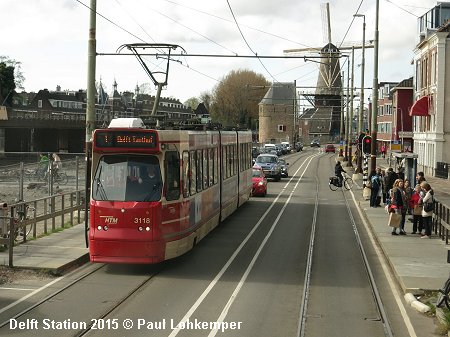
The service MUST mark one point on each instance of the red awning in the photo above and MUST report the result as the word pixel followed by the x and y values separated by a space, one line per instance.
pixel 420 107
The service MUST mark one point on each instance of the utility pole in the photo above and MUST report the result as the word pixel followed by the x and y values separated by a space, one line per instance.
pixel 361 101
pixel 342 129
pixel 90 108
pixel 349 163
pixel 373 152
pixel 346 112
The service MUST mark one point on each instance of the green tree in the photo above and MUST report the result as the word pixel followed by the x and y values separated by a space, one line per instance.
pixel 7 84
pixel 19 78
pixel 192 103
pixel 235 99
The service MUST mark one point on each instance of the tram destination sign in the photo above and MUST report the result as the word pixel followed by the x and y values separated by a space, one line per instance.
pixel 123 139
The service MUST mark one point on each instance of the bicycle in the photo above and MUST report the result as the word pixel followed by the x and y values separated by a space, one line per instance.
pixel 444 295
pixel 334 183
pixel 20 231
pixel 60 177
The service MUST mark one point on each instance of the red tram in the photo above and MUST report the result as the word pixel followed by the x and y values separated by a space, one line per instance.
pixel 156 193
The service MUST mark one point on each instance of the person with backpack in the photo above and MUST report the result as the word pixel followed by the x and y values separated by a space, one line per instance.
pixel 375 180
pixel 428 207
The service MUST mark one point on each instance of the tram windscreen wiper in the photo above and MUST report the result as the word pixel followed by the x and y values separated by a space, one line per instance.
pixel 100 189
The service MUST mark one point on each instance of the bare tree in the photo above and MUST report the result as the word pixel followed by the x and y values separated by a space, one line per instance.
pixel 235 99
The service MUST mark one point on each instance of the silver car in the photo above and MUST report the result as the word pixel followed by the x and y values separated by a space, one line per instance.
pixel 270 165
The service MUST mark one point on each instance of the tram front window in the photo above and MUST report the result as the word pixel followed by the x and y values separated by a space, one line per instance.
pixel 127 178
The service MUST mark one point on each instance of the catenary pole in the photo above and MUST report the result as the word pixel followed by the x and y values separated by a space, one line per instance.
pixel 373 152
pixel 361 101
pixel 350 119
pixel 347 124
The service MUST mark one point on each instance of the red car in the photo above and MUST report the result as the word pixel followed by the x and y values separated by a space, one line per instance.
pixel 259 182
pixel 330 148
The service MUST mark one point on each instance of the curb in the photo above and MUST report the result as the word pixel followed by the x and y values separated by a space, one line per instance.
pixel 413 302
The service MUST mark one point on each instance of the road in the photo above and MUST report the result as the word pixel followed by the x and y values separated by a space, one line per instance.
pixel 287 265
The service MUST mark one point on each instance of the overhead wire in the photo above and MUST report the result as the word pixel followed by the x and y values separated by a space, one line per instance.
pixel 243 25
pixel 248 45
pixel 140 39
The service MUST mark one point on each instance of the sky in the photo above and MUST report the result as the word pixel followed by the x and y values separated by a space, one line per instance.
pixel 50 39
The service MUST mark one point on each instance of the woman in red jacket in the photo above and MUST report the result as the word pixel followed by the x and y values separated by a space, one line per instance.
pixel 415 205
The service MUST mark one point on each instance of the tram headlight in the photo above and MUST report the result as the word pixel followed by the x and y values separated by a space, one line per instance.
pixel 99 228
pixel 147 229
pixel 105 227
pixel 140 228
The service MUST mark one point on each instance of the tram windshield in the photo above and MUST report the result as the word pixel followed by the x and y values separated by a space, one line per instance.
pixel 127 178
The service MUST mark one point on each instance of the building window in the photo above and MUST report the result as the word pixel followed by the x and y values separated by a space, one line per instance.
pixel 40 103
pixel 281 128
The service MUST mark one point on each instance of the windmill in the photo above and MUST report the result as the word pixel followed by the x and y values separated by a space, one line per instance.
pixel 325 117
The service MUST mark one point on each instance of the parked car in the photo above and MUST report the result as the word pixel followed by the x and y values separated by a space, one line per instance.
pixel 315 143
pixel 286 146
pixel 270 165
pixel 284 168
pixel 259 182
pixel 330 148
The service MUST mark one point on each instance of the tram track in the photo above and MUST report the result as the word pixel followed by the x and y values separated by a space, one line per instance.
pixel 369 274
pixel 82 281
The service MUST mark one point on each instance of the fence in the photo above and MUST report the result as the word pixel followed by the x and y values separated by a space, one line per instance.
pixel 441 223
pixel 29 179
pixel 44 215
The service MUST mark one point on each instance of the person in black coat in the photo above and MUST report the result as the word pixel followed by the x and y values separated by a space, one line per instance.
pixel 390 178
pixel 338 172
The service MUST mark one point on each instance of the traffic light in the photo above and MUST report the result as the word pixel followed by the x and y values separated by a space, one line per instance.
pixel 367 144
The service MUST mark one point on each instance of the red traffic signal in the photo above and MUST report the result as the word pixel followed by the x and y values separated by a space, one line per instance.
pixel 367 144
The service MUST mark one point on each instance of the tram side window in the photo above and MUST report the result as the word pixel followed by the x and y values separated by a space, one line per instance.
pixel 216 166
pixel 233 160
pixel 185 177
pixel 199 170
pixel 211 166
pixel 205 169
pixel 193 175
pixel 172 163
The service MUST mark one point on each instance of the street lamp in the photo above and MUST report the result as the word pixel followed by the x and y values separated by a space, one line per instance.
pixel 361 102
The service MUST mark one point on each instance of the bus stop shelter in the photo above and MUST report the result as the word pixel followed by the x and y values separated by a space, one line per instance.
pixel 407 161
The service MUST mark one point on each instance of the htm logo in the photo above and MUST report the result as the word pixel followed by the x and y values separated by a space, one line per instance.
pixel 110 220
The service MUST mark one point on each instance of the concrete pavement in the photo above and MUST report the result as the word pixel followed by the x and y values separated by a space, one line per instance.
pixel 418 264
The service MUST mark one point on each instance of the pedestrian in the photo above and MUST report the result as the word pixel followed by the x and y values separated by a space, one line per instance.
pixel 375 181
pixel 427 214
pixel 414 204
pixel 383 151
pixel 401 172
pixel 420 177
pixel 398 204
pixel 391 177
pixel 43 164
pixel 408 193
pixel 56 164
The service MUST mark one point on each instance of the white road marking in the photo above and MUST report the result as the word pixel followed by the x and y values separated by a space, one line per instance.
pixel 236 252
pixel 31 294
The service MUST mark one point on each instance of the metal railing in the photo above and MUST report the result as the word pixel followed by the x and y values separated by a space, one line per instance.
pixel 49 214
pixel 441 221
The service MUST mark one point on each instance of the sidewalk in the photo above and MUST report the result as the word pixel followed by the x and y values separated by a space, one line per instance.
pixel 418 264
pixel 57 252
